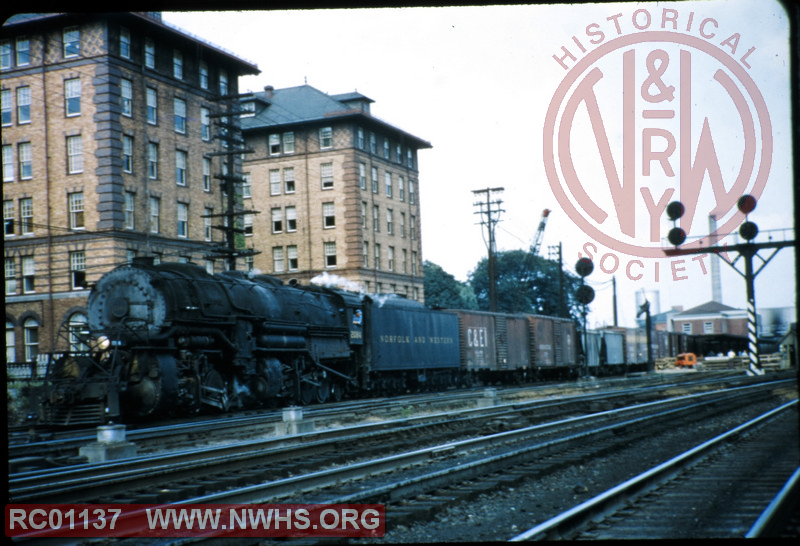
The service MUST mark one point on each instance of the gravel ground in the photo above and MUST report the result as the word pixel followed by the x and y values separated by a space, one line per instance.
pixel 511 511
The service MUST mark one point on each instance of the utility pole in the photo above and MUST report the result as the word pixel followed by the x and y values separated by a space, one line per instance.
pixel 490 215
pixel 232 180
pixel 554 252
pixel 614 286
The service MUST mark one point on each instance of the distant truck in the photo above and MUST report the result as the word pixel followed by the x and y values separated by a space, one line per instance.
pixel 686 360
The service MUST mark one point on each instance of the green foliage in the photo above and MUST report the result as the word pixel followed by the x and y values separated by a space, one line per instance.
pixel 525 284
pixel 443 291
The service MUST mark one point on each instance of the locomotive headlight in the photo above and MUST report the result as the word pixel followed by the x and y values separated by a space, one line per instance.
pixel 103 343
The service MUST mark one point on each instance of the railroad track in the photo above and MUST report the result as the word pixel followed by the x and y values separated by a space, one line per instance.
pixel 715 490
pixel 61 449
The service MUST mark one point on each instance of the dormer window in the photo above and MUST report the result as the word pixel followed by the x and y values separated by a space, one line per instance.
pixel 248 109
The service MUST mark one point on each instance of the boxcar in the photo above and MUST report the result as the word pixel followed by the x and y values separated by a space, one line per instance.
pixel 554 346
pixel 493 346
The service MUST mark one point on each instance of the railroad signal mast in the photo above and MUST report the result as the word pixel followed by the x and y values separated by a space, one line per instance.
pixel 232 180
pixel 747 251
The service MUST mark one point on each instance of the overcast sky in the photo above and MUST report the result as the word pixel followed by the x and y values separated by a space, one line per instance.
pixel 477 82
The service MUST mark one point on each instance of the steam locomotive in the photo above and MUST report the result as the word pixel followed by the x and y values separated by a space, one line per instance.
pixel 173 339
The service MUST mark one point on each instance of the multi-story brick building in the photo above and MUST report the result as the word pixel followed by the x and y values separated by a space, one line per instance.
pixel 711 318
pixel 108 153
pixel 337 190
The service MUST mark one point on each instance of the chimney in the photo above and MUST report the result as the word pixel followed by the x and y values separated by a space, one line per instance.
pixel 269 91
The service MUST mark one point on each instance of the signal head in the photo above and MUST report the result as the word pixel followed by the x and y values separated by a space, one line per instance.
pixel 675 210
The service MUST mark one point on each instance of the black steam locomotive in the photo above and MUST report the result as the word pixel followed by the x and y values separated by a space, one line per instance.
pixel 172 339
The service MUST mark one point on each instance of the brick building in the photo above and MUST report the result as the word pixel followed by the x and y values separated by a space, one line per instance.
pixel 109 152
pixel 337 190
pixel 711 318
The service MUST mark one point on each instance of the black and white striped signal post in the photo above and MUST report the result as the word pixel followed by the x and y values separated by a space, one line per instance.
pixel 747 251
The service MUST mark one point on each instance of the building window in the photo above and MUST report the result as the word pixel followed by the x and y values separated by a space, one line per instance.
pixel 291 254
pixel 126 90
pixel 247 186
pixel 686 327
pixel 274 144
pixel 247 224
pixel 25 153
pixel 72 42
pixel 72 97
pixel 149 53
pixel 401 189
pixel 288 178
pixel 11 343
pixel 206 174
pixel 177 65
pixel 410 158
pixel 183 220
pixel 291 219
pixel 399 157
pixel 130 210
pixel 223 82
pixel 374 180
pixel 364 214
pixel 8 218
pixel 277 220
pixel 376 226
pixel 362 175
pixel 76 220
pixel 5 54
pixel 180 116
pixel 326 173
pixel 288 143
pixel 330 254
pixel 78 333
pixel 390 221
pixel 11 276
pixel 328 215
pixel 413 263
pixel 413 227
pixel 708 327
pixel 208 231
pixel 326 138
pixel 77 269
pixel 360 139
pixel 124 43
pixel 404 263
pixel 127 153
pixel 373 147
pixel 388 182
pixel 365 253
pixel 23 105
pixel 411 196
pixel 8 163
pixel 180 167
pixel 75 154
pixel 26 216
pixel 205 124
pixel 155 215
pixel 31 331
pixel 23 52
pixel 391 259
pixel 386 148
pixel 203 71
pixel 5 101
pixel 275 182
pixel 152 160
pixel 377 256
pixel 152 106
pixel 403 225
pixel 278 265
pixel 28 274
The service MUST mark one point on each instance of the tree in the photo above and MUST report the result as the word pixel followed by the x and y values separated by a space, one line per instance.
pixel 443 291
pixel 526 283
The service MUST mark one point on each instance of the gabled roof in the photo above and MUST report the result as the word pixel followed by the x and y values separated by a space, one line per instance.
pixel 279 108
pixel 708 308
